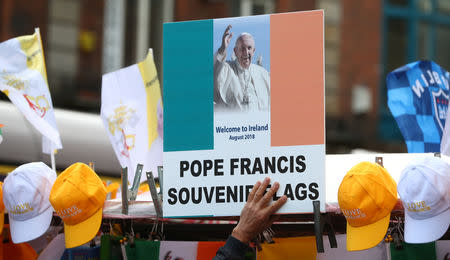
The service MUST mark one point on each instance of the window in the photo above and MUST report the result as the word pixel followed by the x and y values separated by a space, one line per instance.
pixel 255 7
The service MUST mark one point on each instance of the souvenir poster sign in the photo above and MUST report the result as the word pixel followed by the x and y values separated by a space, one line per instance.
pixel 243 100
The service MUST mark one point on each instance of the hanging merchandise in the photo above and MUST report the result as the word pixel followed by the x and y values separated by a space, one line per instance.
pixel 23 78
pixel 82 253
pixel 110 247
pixel 10 250
pixel 207 250
pixel 366 197
pixel 77 196
pixel 424 190
pixel 134 248
pixel 289 248
pixel 140 249
pixel 395 232
pixel 414 251
pixel 132 115
pixel 418 95
pixel 186 250
pixel 380 251
pixel 26 192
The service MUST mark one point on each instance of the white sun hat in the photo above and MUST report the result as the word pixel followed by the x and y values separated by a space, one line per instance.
pixel 424 188
pixel 26 192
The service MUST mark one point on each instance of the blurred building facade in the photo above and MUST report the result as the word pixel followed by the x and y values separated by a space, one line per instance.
pixel 364 40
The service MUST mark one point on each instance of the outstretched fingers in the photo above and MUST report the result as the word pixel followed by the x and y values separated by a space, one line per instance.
pixel 251 196
pixel 277 204
pixel 262 189
pixel 268 196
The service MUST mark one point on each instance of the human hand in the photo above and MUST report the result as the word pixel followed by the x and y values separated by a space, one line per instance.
pixel 226 38
pixel 257 212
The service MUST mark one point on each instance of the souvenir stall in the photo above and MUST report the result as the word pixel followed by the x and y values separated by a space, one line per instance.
pixel 229 123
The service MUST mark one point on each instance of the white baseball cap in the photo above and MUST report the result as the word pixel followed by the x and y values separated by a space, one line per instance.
pixel 424 189
pixel 26 192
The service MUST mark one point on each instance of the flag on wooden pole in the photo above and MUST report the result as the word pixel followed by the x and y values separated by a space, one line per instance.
pixel 132 115
pixel 23 78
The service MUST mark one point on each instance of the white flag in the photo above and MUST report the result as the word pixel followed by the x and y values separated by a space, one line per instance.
pixel 132 115
pixel 23 79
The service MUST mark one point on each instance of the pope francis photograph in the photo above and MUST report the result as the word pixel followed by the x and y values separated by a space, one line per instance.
pixel 239 84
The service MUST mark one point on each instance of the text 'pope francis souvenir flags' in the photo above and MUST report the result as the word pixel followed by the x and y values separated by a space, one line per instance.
pixel 23 78
pixel 243 100
pixel 132 115
pixel 418 95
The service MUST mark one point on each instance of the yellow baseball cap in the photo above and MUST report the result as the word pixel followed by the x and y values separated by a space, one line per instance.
pixel 78 196
pixel 366 197
pixel 2 208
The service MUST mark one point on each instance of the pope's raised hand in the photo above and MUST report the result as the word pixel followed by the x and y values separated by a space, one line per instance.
pixel 226 38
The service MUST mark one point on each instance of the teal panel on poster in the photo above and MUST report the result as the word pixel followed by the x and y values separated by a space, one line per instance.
pixel 188 86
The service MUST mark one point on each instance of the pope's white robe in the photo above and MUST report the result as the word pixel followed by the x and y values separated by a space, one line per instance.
pixel 230 81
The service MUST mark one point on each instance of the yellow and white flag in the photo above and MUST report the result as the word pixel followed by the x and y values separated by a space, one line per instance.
pixel 23 79
pixel 133 117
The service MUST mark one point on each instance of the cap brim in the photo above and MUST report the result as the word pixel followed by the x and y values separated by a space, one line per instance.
pixel 426 230
pixel 81 233
pixel 365 237
pixel 23 231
